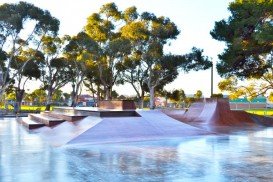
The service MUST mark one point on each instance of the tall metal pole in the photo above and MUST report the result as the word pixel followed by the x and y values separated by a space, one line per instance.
pixel 1 78
pixel 211 86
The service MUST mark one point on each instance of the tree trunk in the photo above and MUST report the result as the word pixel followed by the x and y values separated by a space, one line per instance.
pixel 19 98
pixel 73 104
pixel 98 95
pixel 73 96
pixel 108 93
pixel 152 97
pixel 141 100
pixel 49 99
pixel 140 103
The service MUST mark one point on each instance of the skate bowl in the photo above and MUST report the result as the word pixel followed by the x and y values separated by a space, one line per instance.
pixel 215 115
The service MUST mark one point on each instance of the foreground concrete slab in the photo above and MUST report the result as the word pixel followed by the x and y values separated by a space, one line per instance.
pixel 247 156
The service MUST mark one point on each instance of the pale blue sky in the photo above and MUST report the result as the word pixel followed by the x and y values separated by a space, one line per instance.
pixel 195 19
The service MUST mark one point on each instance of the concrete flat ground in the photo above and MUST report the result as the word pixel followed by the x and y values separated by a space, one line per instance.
pixel 240 156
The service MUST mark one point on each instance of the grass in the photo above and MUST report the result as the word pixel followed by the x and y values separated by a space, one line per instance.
pixel 267 112
pixel 26 108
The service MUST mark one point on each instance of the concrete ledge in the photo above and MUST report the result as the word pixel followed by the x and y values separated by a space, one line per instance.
pixel 49 121
pixel 117 104
pixel 29 124
pixel 64 116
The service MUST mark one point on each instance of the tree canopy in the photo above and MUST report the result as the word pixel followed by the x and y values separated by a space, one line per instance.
pixel 248 34
pixel 114 47
pixel 248 37
pixel 22 27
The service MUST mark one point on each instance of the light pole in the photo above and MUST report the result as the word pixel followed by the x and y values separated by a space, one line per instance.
pixel 1 78
pixel 211 84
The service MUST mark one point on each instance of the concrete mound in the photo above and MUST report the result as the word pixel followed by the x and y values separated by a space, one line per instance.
pixel 151 125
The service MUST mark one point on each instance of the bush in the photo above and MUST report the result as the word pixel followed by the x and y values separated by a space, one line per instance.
pixel 217 96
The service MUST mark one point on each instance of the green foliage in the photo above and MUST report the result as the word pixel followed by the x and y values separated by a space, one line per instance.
pixel 112 48
pixel 13 17
pixel 270 97
pixel 248 36
pixel 110 10
pixel 19 55
pixel 39 95
pixel 130 14
pixel 10 96
pixel 179 96
pixel 57 96
pixel 220 95
pixel 195 60
pixel 198 94
pixel 114 94
pixel 250 89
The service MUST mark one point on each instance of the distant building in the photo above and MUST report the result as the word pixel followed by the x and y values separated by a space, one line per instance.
pixel 85 98
pixel 86 101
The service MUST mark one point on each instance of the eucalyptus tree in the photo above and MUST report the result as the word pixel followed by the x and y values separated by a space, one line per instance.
pixel 92 81
pixel 22 27
pixel 147 65
pixel 132 68
pixel 81 51
pixel 248 55
pixel 31 59
pixel 54 68
pixel 103 27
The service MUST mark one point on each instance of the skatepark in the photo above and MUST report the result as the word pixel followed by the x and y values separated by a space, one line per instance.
pixel 209 142
pixel 66 126
pixel 149 145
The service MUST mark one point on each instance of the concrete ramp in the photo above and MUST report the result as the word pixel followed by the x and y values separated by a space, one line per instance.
pixel 216 116
pixel 66 131
pixel 187 115
pixel 195 110
pixel 207 113
pixel 152 125
pixel 224 116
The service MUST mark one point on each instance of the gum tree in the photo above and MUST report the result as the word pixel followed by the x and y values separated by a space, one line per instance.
pixel 103 27
pixel 22 27
pixel 148 65
pixel 54 67
pixel 31 59
pixel 80 52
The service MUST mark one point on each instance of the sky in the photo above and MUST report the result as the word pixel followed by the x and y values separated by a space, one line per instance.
pixel 194 18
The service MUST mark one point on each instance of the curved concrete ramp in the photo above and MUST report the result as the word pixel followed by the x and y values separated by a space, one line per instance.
pixel 216 116
pixel 152 125
pixel 195 110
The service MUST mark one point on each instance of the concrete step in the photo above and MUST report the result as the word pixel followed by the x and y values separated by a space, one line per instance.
pixel 29 124
pixel 47 120
pixel 91 111
pixel 65 116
